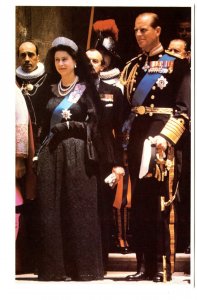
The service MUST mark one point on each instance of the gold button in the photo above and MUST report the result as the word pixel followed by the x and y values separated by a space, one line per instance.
pixel 140 58
pixel 136 73
pixel 152 97
pixel 141 110
pixel 133 89
pixel 154 87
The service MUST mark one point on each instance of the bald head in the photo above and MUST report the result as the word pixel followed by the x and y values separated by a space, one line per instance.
pixel 178 48
pixel 28 56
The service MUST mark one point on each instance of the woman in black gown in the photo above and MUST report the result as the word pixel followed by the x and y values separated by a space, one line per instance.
pixel 70 234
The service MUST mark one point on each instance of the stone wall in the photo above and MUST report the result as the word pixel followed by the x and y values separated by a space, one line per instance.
pixel 43 24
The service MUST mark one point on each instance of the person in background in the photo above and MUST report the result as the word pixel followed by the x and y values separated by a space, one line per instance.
pixel 34 83
pixel 106 42
pixel 70 244
pixel 184 30
pixel 178 47
pixel 157 90
pixel 110 126
pixel 35 86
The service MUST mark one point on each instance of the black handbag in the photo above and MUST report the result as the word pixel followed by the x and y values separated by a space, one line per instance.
pixel 91 151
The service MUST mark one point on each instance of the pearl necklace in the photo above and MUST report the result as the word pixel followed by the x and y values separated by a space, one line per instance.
pixel 64 91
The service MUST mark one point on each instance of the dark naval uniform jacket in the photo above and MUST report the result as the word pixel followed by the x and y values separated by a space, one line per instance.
pixel 111 124
pixel 110 127
pixel 164 110
pixel 171 90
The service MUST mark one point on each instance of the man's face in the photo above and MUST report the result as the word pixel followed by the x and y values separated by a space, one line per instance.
pixel 147 37
pixel 95 59
pixel 178 48
pixel 27 57
pixel 184 30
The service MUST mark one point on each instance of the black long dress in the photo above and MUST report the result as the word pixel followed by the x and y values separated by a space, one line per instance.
pixel 70 232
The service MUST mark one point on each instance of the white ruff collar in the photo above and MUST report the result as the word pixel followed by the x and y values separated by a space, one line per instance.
pixel 109 74
pixel 34 74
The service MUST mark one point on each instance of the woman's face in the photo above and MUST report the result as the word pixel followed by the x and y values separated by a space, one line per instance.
pixel 64 63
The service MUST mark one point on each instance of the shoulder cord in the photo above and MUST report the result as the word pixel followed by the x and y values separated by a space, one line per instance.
pixel 128 81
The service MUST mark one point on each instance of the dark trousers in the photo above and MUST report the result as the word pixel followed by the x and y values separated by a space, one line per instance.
pixel 150 227
pixel 105 201
pixel 27 243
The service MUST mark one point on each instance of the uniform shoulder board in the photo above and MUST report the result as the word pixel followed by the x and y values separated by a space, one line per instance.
pixel 173 54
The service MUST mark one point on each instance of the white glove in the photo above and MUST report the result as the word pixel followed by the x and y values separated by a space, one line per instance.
pixel 118 171
pixel 115 176
pixel 161 146
pixel 111 180
pixel 160 142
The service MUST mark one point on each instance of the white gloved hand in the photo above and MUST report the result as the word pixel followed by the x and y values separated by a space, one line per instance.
pixel 161 146
pixel 111 180
pixel 159 141
pixel 118 171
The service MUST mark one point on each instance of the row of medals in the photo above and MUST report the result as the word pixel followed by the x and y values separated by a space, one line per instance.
pixel 159 67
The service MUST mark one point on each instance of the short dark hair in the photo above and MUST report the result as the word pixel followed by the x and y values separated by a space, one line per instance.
pixel 155 18
pixel 50 62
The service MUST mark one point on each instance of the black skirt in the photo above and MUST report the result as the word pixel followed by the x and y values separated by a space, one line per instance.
pixel 70 242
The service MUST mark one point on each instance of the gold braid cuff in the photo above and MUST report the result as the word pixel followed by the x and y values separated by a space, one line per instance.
pixel 173 129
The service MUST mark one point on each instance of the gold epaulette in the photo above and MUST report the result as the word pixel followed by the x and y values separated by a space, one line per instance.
pixel 174 129
pixel 173 54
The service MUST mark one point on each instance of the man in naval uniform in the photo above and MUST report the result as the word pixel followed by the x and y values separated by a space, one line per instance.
pixel 157 89
pixel 111 163
pixel 35 86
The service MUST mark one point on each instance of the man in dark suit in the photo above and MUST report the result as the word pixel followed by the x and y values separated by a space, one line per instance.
pixel 35 86
pixel 157 88
pixel 34 83
pixel 111 138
